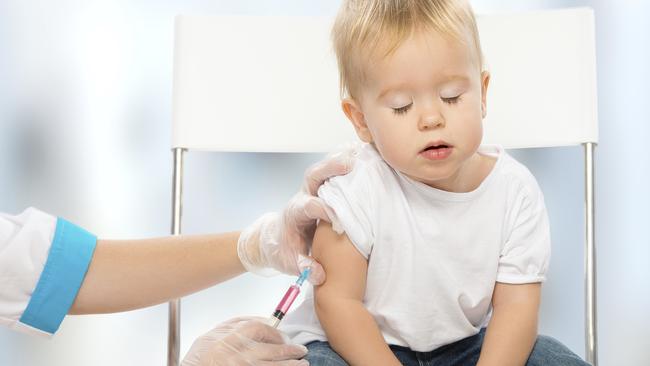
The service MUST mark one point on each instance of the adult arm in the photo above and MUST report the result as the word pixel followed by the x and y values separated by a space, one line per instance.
pixel 131 274
pixel 44 260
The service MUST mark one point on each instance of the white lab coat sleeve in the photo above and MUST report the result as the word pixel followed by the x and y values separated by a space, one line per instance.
pixel 43 261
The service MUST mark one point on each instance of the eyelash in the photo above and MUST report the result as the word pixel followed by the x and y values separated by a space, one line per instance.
pixel 452 100
pixel 404 109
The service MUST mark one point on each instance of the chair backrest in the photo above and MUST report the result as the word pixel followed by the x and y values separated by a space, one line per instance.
pixel 270 84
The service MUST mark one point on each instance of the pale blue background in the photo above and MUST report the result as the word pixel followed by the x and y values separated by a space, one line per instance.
pixel 85 113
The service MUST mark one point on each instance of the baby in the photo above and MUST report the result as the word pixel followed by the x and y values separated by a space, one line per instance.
pixel 446 242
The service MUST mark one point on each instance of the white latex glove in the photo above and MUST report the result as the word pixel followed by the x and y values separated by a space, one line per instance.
pixel 244 341
pixel 282 241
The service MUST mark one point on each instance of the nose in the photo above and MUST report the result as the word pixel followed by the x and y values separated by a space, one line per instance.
pixel 431 121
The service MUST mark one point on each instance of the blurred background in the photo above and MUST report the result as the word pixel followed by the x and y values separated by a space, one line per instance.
pixel 85 133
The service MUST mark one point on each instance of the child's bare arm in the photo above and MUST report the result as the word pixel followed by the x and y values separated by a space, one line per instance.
pixel 350 329
pixel 512 331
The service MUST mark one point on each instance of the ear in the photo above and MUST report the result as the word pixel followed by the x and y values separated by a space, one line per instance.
pixel 485 81
pixel 353 111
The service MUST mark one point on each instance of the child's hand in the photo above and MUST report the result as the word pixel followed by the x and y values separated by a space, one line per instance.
pixel 282 241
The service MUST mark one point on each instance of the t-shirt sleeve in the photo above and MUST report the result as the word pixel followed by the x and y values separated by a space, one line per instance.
pixel 349 198
pixel 527 250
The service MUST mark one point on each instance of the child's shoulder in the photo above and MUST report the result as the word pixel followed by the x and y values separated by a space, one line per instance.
pixel 368 158
pixel 368 166
pixel 370 175
pixel 515 175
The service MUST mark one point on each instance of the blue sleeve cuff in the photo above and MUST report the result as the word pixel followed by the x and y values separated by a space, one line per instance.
pixel 70 254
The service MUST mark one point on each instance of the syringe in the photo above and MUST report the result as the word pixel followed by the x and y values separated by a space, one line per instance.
pixel 288 299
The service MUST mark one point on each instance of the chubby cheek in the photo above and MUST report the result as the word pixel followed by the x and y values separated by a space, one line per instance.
pixel 390 153
pixel 469 129
pixel 475 135
pixel 394 148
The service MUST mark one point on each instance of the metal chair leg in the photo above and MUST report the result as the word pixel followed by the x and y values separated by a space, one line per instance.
pixel 173 338
pixel 591 339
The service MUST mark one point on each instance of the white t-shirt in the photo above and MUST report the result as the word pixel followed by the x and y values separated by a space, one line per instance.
pixel 434 256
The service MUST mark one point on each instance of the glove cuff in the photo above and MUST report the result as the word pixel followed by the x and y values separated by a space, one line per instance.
pixel 249 246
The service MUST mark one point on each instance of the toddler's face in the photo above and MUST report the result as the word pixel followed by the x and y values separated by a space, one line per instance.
pixel 422 107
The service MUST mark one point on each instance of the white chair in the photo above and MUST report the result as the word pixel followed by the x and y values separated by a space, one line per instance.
pixel 231 74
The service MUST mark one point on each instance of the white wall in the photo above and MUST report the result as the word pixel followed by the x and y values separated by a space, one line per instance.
pixel 85 131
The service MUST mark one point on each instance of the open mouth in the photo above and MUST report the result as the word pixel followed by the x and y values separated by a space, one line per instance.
pixel 437 145
pixel 438 150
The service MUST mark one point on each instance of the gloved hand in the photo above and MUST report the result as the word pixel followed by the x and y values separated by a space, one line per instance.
pixel 244 341
pixel 281 241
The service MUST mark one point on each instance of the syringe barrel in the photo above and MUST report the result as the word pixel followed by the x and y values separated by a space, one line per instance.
pixel 288 299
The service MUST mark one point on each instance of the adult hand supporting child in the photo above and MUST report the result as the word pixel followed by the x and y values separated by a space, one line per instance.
pixel 282 241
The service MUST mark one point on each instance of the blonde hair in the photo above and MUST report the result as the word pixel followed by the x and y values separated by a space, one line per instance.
pixel 363 26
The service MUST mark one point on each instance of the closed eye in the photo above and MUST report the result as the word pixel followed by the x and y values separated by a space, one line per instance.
pixel 452 100
pixel 402 110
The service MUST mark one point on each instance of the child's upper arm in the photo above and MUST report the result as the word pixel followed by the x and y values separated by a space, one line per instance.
pixel 350 328
pixel 528 294
pixel 345 267
pixel 526 252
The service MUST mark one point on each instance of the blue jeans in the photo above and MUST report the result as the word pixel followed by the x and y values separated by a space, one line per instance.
pixel 546 352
